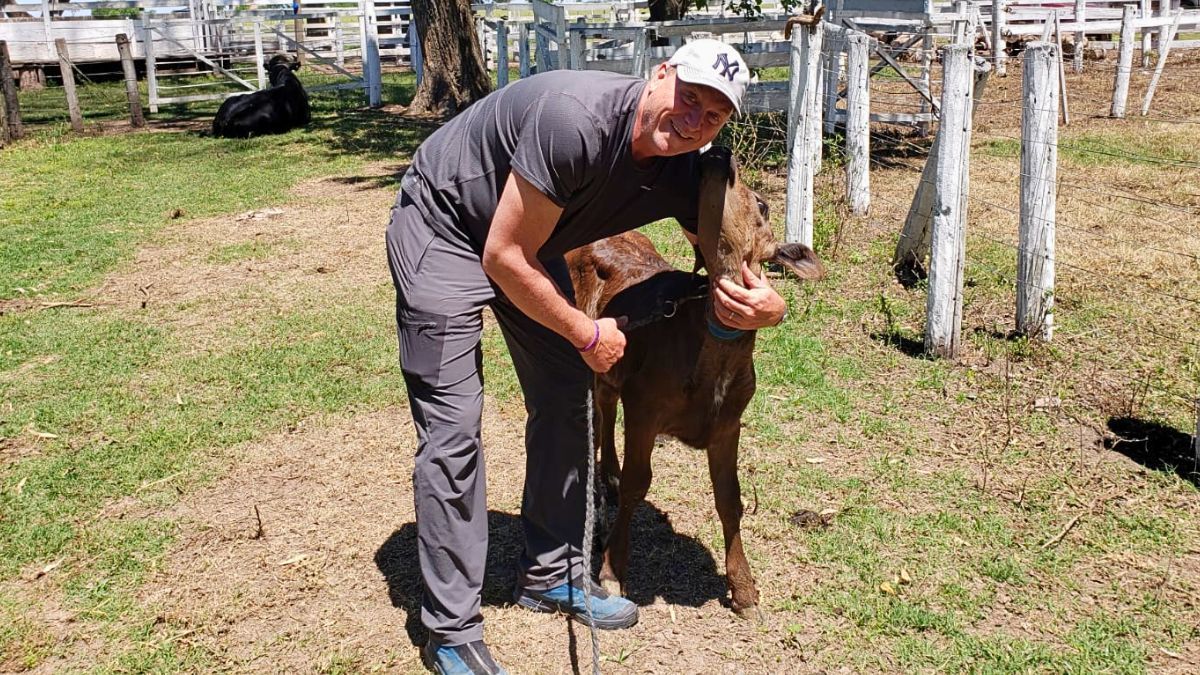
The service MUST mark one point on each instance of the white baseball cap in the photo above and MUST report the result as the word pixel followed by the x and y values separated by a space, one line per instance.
pixel 713 64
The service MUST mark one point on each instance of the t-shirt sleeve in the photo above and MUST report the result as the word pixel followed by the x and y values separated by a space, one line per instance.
pixel 558 147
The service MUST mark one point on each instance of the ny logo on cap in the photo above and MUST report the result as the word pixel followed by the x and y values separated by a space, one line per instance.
pixel 725 68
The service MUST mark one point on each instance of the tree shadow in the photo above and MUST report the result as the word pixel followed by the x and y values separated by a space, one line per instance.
pixel 663 563
pixel 1154 445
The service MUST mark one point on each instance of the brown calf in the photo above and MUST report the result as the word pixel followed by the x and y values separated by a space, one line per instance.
pixel 677 376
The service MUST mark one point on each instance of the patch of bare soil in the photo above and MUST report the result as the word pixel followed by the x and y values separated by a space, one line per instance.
pixel 305 553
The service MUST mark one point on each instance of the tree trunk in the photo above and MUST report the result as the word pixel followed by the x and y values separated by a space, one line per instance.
pixel 454 76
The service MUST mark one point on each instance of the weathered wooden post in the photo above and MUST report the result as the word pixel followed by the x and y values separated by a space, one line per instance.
pixel 575 44
pixel 67 71
pixel 1144 13
pixel 1164 48
pixel 523 50
pixel 943 313
pixel 858 124
pixel 1062 73
pixel 1124 63
pixel 151 68
pixel 12 108
pixel 339 41
pixel 1080 39
pixel 501 54
pixel 999 56
pixel 259 58
pixel 298 32
pixel 913 245
pixel 805 34
pixel 136 118
pixel 1039 175
pixel 834 45
pixel 415 58
pixel 372 67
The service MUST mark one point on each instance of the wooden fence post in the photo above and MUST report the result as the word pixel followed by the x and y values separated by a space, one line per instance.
pixel 481 34
pixel 339 41
pixel 298 35
pixel 136 118
pixel 1039 176
pixel 858 124
pixel 67 72
pixel 833 69
pixel 415 58
pixel 999 56
pixel 1144 13
pixel 1124 63
pixel 1080 17
pixel 943 313
pixel 501 54
pixel 372 68
pixel 151 66
pixel 805 53
pixel 260 67
pixel 12 107
pixel 1164 48
pixel 576 45
pixel 523 50
pixel 1062 73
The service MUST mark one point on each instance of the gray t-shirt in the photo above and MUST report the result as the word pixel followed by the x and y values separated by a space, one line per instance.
pixel 566 132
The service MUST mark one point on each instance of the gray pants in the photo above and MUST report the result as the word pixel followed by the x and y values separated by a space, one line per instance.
pixel 441 291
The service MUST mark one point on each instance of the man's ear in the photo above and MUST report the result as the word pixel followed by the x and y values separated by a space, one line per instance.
pixel 801 260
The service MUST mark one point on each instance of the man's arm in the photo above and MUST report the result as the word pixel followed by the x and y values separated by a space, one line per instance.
pixel 524 220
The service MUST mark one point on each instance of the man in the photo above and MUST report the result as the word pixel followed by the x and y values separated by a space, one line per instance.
pixel 490 205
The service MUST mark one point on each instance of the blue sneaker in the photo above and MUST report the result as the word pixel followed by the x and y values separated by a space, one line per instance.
pixel 472 658
pixel 609 612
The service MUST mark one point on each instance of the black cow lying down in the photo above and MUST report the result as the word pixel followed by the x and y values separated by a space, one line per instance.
pixel 274 110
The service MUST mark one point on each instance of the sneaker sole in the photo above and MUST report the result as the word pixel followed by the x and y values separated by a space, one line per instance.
pixel 547 606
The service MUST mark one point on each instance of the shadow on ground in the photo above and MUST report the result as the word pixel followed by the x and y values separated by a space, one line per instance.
pixel 663 564
pixel 1154 445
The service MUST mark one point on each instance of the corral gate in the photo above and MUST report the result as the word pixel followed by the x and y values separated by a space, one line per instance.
pixel 223 51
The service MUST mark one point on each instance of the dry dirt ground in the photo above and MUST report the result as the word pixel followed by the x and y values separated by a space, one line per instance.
pixel 300 555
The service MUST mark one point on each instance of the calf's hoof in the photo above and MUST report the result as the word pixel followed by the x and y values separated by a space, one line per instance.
pixel 612 586
pixel 751 613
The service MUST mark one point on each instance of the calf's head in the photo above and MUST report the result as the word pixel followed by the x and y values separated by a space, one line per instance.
pixel 734 226
pixel 279 67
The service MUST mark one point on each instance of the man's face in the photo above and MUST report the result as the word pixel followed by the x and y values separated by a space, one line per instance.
pixel 678 116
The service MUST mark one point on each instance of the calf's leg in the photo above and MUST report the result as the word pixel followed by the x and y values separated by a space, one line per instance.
pixel 635 482
pixel 722 468
pixel 605 424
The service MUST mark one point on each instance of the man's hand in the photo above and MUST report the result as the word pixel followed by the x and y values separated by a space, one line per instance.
pixel 610 347
pixel 750 308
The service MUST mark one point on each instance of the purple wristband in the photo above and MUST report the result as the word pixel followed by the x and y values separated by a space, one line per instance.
pixel 595 340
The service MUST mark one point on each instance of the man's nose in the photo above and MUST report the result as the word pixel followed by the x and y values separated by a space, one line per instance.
pixel 693 117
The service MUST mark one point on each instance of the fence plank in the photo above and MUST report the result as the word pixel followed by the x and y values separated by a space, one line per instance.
pixel 67 72
pixel 1039 175
pixel 1080 17
pixel 1124 63
pixel 260 67
pixel 858 127
pixel 136 118
pixel 943 315
pixel 12 107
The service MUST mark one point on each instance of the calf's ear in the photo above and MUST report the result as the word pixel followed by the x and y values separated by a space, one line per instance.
pixel 801 260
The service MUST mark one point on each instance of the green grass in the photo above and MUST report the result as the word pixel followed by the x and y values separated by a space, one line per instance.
pixel 1109 149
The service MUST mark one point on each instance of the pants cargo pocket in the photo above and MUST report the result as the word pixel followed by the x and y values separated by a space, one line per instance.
pixel 439 350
